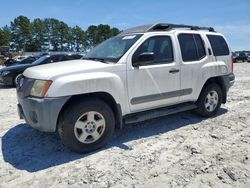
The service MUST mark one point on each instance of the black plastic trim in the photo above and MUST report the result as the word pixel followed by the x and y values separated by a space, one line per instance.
pixel 155 97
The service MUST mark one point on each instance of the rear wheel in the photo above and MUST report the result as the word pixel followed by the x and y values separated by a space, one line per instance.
pixel 209 101
pixel 86 126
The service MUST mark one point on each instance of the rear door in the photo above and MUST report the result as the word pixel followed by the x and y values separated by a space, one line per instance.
pixel 193 56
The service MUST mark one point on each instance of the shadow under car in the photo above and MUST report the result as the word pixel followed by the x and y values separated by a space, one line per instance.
pixel 28 149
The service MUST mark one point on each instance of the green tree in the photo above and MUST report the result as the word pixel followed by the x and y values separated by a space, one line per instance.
pixel 21 32
pixel 5 36
pixel 92 36
pixel 38 35
pixel 57 34
pixel 97 34
pixel 79 39
pixel 51 38
pixel 52 34
pixel 64 36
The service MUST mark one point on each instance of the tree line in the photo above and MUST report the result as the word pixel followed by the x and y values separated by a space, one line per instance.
pixel 50 34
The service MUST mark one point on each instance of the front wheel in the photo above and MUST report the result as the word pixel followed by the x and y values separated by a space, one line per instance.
pixel 87 125
pixel 17 79
pixel 209 101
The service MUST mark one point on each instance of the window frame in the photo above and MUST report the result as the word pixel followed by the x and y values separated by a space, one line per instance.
pixel 203 42
pixel 154 63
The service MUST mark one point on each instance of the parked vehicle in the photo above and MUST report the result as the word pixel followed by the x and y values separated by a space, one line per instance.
pixel 11 75
pixel 143 73
pixel 234 56
pixel 26 60
pixel 241 57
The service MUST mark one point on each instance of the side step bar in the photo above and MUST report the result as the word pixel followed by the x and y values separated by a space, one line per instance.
pixel 155 113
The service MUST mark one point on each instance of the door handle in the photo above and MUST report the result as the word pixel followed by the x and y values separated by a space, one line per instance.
pixel 173 71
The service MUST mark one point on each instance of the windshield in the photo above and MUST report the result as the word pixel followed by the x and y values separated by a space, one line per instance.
pixel 40 60
pixel 112 49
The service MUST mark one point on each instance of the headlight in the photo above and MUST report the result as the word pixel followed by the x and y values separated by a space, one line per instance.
pixel 40 88
pixel 4 73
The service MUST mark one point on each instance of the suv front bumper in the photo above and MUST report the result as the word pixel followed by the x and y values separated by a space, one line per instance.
pixel 41 113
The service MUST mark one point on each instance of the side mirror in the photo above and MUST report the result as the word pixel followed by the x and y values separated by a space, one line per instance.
pixel 143 59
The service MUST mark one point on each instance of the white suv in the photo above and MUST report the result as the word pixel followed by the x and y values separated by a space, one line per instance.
pixel 143 73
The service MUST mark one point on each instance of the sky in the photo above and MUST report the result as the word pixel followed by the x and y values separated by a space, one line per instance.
pixel 230 17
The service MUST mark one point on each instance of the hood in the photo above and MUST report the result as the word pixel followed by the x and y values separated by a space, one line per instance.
pixel 53 70
pixel 15 67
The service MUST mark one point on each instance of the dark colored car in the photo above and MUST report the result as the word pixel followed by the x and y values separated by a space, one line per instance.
pixel 10 75
pixel 234 56
pixel 27 60
pixel 241 57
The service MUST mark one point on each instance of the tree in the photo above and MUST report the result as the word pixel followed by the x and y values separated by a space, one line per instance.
pixel 57 34
pixel 5 36
pixel 38 35
pixel 97 34
pixel 21 32
pixel 79 39
pixel 51 38
pixel 64 36
pixel 92 36
pixel 52 34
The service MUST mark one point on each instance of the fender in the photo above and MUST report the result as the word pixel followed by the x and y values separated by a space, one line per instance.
pixel 210 70
pixel 84 83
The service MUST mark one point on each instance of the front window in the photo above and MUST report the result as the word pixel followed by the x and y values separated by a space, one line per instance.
pixel 160 46
pixel 113 49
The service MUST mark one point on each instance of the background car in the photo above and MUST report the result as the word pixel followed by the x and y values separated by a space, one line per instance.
pixel 234 56
pixel 11 75
pixel 241 57
pixel 248 58
pixel 26 60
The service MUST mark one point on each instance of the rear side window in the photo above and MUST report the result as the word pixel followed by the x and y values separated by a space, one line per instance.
pixel 192 47
pixel 219 45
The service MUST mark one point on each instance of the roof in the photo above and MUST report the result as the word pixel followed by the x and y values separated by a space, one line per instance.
pixel 163 27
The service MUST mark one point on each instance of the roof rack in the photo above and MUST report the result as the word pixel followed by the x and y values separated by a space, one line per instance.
pixel 164 27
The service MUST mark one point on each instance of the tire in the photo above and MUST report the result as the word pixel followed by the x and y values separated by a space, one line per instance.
pixel 209 107
pixel 16 79
pixel 83 122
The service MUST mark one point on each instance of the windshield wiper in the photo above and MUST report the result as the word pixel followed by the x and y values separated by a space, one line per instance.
pixel 95 59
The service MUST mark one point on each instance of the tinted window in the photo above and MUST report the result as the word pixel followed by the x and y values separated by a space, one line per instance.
pixel 219 45
pixel 192 47
pixel 200 46
pixel 161 46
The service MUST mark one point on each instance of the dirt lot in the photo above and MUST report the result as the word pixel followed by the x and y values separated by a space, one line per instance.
pixel 175 151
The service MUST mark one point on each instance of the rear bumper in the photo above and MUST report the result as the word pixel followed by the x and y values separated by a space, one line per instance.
pixel 41 113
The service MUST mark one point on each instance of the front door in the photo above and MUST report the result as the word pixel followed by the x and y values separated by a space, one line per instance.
pixel 154 84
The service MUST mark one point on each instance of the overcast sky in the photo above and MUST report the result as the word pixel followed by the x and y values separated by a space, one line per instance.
pixel 230 17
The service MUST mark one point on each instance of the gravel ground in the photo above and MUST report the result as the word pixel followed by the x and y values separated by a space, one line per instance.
pixel 181 150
